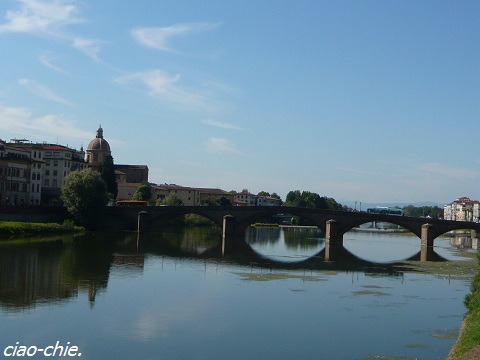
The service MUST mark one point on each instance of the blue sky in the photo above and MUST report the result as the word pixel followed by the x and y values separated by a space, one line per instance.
pixel 372 101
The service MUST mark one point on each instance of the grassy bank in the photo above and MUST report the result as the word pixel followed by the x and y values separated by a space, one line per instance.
pixel 470 334
pixel 12 228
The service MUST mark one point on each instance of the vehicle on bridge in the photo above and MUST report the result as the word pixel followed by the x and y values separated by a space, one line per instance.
pixel 386 210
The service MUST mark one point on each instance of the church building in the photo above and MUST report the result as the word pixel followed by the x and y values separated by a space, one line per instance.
pixel 99 148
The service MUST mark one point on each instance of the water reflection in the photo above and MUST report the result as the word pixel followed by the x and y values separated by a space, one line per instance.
pixel 36 273
pixel 286 244
pixel 39 273
pixel 174 295
pixel 463 239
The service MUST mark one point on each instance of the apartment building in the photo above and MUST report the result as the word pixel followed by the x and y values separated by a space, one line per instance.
pixel 462 209
pixel 188 195
pixel 46 165
pixel 59 161
pixel 245 198
pixel 15 172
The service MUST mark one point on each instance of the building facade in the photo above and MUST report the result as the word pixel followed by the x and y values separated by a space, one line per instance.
pixel 188 195
pixel 97 151
pixel 15 174
pixel 48 165
pixel 246 198
pixel 59 162
pixel 462 209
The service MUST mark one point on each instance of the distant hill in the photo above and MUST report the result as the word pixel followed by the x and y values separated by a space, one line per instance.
pixel 365 206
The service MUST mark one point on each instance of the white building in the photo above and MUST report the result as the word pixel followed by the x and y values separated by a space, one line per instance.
pixel 462 209
pixel 246 198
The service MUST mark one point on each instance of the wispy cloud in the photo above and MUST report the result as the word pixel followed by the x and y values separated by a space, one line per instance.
pixel 167 88
pixel 47 60
pixel 91 47
pixel 159 37
pixel 43 92
pixel 220 124
pixel 221 145
pixel 446 171
pixel 49 17
pixel 17 120
pixel 33 16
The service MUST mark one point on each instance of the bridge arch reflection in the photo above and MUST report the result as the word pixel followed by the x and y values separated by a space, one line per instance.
pixel 244 254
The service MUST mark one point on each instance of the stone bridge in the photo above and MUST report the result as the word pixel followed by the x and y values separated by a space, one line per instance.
pixel 234 220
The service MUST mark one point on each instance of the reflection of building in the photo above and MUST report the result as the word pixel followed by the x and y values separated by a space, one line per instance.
pixel 462 209
pixel 30 276
pixel 464 240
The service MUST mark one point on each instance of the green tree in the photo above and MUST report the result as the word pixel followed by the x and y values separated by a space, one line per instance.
pixel 170 200
pixel 308 199
pixel 223 201
pixel 423 211
pixel 85 196
pixel 107 169
pixel 276 196
pixel 143 192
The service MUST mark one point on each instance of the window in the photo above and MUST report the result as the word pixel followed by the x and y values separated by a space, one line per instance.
pixel 55 163
pixel 47 183
pixel 47 172
pixel 54 184
pixel 55 173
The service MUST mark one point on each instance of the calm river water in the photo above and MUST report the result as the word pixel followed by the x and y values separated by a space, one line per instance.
pixel 175 296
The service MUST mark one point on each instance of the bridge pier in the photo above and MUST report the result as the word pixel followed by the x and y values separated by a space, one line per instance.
pixel 427 235
pixel 228 231
pixel 333 240
pixel 427 242
pixel 141 221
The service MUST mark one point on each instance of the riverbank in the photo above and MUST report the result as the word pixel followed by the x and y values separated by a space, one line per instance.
pixel 13 228
pixel 468 343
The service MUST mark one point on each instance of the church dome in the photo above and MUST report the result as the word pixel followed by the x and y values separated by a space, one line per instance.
pixel 99 143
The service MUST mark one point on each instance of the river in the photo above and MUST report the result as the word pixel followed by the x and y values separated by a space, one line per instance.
pixel 173 295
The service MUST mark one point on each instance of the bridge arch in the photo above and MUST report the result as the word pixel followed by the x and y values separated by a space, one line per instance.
pixel 340 221
pixel 158 221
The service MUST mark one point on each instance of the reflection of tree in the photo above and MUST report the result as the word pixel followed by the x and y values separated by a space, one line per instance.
pixel 32 274
pixel 302 238
pixel 263 235
pixel 194 240
pixel 86 264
